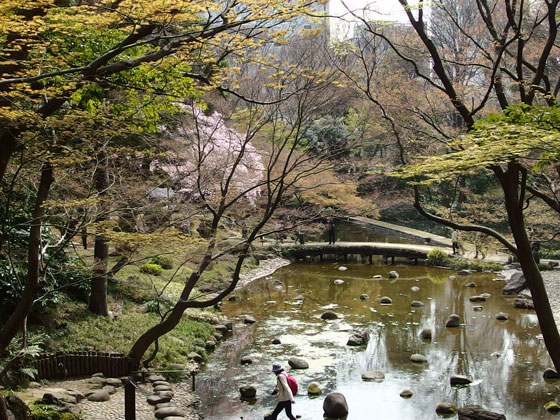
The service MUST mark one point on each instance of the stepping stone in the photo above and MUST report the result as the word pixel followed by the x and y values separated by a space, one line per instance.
pixel 329 315
pixel 373 376
pixel 418 358
pixel 426 334
pixel 166 412
pixel 407 393
pixel 416 304
pixel 385 300
pixel 453 321
pixel 446 408
pixel 246 360
pixel 502 316
pixel 249 320
pixel 154 378
pixel 159 388
pixel 158 383
pixel 298 363
pixel 550 374
pixel 157 399
pixel 221 328
pixel 460 380
pixel 116 382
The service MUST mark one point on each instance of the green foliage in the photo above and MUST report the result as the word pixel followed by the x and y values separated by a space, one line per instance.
pixel 519 133
pixel 165 261
pixel 38 411
pixel 86 331
pixel 437 257
pixel 153 269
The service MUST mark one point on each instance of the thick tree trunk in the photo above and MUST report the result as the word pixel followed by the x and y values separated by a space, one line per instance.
pixel 98 296
pixel 514 206
pixel 15 322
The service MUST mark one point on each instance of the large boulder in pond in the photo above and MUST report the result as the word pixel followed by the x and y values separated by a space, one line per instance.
pixel 515 284
pixel 475 412
pixel 298 363
pixel 335 406
pixel 248 392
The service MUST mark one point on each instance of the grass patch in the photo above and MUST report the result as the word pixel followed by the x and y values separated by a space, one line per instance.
pixel 437 257
pixel 85 331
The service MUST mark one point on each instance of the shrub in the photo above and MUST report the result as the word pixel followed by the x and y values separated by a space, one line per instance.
pixel 437 257
pixel 165 261
pixel 46 412
pixel 153 269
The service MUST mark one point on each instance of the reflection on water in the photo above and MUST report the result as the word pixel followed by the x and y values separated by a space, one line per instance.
pixel 505 358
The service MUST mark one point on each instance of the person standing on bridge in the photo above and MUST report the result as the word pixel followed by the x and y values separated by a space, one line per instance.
pixel 331 229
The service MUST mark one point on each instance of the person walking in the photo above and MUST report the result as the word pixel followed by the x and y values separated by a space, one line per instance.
pixel 331 228
pixel 285 396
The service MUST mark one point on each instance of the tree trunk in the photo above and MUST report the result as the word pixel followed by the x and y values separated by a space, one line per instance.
pixel 3 408
pixel 98 296
pixel 15 322
pixel 514 206
pixel 8 142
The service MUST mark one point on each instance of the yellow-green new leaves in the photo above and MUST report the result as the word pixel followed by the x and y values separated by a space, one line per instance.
pixel 522 134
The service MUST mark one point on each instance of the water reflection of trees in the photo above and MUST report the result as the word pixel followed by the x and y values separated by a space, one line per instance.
pixel 508 383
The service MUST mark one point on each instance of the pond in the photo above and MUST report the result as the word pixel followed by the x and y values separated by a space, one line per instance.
pixel 505 359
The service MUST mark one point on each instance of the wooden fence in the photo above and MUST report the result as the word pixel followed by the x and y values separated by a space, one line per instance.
pixel 76 363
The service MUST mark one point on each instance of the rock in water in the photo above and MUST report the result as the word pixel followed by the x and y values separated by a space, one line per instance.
pixel 459 380
pixel 418 358
pixel 385 300
pixel 248 392
pixel 453 321
pixel 406 393
pixel 298 363
pixel 329 315
pixel 550 374
pixel 502 316
pixel 475 412
pixel 335 406
pixel 358 338
pixel 373 376
pixel 426 334
pixel 446 408
pixel 515 285
pixel 249 320
pixel 313 389
pixel 416 304
pixel 552 407
pixel 393 275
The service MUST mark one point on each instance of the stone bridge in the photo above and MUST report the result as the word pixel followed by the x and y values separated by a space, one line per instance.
pixel 388 251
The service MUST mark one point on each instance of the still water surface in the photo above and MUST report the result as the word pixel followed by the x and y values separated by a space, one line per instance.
pixel 504 358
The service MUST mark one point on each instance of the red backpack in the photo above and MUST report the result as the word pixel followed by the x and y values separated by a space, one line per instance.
pixel 292 383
